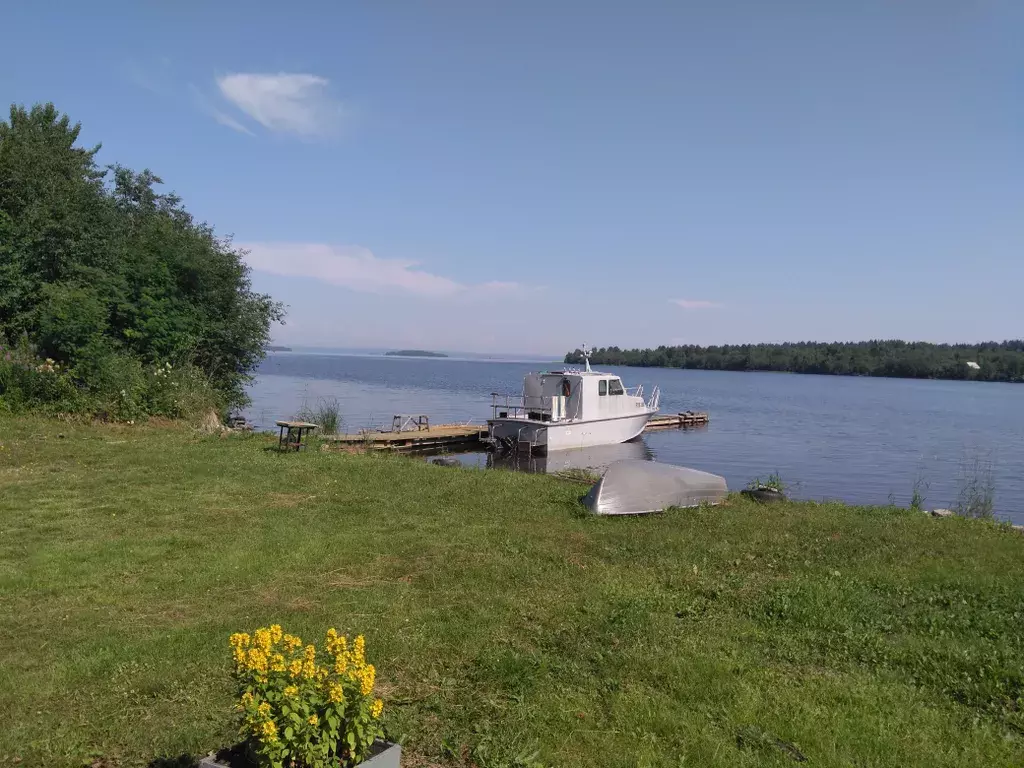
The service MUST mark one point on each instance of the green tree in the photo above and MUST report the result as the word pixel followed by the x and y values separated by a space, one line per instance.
pixel 106 275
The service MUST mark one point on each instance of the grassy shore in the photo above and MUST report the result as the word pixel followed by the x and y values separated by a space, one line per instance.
pixel 502 621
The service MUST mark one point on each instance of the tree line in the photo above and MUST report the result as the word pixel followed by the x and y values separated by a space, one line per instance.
pixel 995 361
pixel 113 298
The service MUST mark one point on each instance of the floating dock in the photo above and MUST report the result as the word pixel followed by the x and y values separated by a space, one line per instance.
pixel 465 435
pixel 439 436
pixel 678 420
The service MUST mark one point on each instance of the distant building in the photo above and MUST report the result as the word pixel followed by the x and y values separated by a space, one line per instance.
pixel 974 366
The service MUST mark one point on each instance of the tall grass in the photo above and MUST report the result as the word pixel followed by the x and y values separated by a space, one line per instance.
pixel 326 415
pixel 976 488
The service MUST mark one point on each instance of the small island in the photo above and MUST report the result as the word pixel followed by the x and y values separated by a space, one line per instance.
pixel 414 353
pixel 273 348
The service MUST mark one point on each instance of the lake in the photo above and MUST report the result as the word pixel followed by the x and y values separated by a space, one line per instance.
pixel 862 440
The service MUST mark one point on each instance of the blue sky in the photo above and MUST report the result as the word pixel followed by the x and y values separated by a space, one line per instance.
pixel 529 176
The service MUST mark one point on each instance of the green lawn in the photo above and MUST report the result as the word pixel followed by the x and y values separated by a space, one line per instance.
pixel 502 621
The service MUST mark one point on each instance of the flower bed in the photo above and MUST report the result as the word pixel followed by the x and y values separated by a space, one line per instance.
pixel 300 708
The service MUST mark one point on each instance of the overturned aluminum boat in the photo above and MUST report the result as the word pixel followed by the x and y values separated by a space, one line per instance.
pixel 637 487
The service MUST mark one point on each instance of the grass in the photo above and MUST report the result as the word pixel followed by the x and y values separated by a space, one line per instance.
pixel 507 627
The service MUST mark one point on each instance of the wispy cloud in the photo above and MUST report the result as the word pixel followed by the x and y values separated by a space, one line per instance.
pixel 207 106
pixel 299 104
pixel 358 269
pixel 696 304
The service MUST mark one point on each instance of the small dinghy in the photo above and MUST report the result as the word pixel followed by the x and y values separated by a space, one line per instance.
pixel 634 487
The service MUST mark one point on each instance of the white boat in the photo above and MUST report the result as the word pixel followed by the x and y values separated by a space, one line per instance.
pixel 570 409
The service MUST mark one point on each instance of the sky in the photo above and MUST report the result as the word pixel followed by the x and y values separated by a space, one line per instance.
pixel 530 176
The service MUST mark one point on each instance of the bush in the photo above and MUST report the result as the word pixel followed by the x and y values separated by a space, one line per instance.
pixel 298 712
pixel 106 385
pixel 28 381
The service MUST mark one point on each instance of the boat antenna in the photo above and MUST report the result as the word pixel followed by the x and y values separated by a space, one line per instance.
pixel 586 357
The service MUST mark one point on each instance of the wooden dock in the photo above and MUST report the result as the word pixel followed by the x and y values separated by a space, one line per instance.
pixel 438 436
pixel 465 435
pixel 678 420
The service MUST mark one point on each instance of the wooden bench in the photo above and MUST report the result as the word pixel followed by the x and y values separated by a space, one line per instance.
pixel 291 434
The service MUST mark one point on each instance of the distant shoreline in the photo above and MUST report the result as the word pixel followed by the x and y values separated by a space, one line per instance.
pixel 413 353
pixel 988 361
pixel 274 348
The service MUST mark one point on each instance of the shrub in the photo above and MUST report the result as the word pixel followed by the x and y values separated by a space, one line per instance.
pixel 326 415
pixel 774 483
pixel 297 712
pixel 28 381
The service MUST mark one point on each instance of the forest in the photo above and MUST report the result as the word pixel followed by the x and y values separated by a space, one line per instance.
pixel 114 300
pixel 995 361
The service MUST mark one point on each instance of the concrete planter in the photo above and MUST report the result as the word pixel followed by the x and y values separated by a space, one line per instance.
pixel 383 754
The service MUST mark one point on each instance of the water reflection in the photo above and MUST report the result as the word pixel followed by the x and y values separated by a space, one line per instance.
pixel 595 459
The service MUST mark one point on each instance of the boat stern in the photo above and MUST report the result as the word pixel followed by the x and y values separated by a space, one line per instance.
pixel 518 433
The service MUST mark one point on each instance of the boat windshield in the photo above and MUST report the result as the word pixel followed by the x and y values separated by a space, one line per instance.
pixel 615 387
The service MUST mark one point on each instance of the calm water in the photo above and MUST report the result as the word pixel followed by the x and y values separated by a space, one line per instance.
pixel 857 439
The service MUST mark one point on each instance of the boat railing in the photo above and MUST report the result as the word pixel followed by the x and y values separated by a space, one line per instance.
pixel 655 398
pixel 637 391
pixel 526 406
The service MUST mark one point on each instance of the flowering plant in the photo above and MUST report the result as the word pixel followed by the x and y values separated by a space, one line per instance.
pixel 298 713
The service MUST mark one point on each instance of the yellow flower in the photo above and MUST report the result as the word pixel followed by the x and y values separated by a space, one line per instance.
pixel 331 645
pixel 340 664
pixel 366 679
pixel 257 661
pixel 314 720
pixel 309 670
pixel 263 709
pixel 246 701
pixel 295 668
pixel 359 650
pixel 336 693
pixel 239 643
pixel 310 653
pixel 277 663
pixel 275 633
pixel 268 730
pixel 376 708
pixel 291 642
pixel 262 640
pixel 291 691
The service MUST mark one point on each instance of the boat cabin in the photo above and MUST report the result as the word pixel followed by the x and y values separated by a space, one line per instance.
pixel 570 396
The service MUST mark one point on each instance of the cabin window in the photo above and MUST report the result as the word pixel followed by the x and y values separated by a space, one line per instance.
pixel 602 387
pixel 615 387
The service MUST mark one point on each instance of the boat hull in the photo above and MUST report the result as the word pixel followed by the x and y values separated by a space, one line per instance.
pixel 548 436
pixel 638 487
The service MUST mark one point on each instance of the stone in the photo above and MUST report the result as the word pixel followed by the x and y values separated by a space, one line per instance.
pixel 210 423
pixel 942 513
